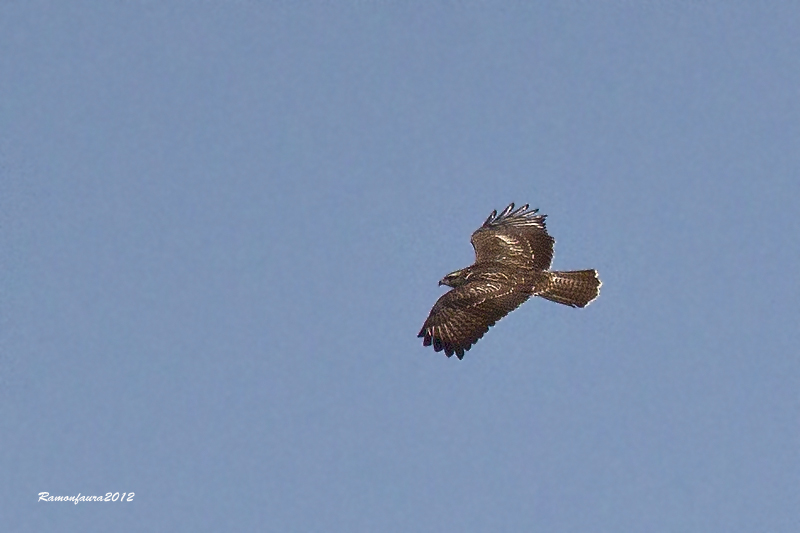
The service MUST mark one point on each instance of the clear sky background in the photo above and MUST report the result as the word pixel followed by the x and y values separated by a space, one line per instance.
pixel 222 225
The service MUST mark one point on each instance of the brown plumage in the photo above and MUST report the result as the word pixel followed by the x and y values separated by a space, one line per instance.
pixel 513 252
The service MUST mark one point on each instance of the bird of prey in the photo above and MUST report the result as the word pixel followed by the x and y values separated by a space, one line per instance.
pixel 513 252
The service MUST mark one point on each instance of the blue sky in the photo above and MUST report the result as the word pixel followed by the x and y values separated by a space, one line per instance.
pixel 223 225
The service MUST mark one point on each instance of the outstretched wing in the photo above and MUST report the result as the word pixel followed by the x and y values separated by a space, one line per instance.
pixel 514 237
pixel 461 316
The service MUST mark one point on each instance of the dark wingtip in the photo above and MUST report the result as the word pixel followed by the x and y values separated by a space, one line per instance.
pixel 491 218
pixel 426 339
pixel 441 345
pixel 523 215
pixel 510 212
pixel 522 210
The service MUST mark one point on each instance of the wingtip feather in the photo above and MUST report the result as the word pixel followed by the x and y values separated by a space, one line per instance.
pixel 522 212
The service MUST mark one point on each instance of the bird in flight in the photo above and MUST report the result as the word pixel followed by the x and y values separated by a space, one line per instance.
pixel 513 252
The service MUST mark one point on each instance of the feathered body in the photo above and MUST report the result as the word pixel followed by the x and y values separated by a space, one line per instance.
pixel 513 253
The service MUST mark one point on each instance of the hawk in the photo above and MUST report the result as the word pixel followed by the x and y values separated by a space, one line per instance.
pixel 513 252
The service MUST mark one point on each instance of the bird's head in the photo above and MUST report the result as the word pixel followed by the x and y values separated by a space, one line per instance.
pixel 455 279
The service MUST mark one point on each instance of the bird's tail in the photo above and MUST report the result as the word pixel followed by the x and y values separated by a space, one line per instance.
pixel 576 288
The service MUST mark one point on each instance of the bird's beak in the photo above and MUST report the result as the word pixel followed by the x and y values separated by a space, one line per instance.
pixel 441 282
